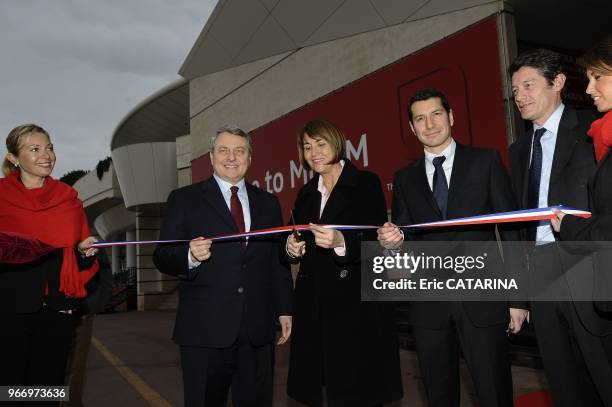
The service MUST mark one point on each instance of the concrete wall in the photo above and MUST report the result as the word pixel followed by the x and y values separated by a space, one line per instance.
pixel 146 172
pixel 93 190
pixel 183 160
pixel 281 84
pixel 114 221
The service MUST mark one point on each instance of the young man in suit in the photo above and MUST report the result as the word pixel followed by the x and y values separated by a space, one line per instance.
pixel 231 292
pixel 453 181
pixel 551 165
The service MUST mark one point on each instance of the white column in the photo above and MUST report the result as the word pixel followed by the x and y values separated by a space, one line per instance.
pixel 130 250
pixel 115 259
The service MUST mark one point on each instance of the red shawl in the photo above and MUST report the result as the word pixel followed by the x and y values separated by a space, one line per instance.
pixel 54 215
pixel 601 131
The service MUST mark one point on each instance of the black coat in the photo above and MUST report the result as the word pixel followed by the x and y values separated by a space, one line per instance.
pixel 573 165
pixel 597 228
pixel 479 185
pixel 30 323
pixel 22 286
pixel 237 282
pixel 353 344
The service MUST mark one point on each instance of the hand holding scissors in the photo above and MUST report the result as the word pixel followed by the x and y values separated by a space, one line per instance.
pixel 295 246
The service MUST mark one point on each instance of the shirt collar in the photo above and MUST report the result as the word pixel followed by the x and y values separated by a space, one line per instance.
pixel 448 152
pixel 552 124
pixel 225 186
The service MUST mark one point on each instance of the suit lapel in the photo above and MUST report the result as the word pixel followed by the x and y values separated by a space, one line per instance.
pixel 461 164
pixel 254 207
pixel 423 185
pixel 339 200
pixel 337 203
pixel 213 196
pixel 523 156
pixel 309 202
pixel 564 146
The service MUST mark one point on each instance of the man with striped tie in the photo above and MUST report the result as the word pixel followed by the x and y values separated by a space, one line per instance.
pixel 230 293
pixel 551 165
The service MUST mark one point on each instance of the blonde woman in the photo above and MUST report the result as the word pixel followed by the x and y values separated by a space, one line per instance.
pixel 38 300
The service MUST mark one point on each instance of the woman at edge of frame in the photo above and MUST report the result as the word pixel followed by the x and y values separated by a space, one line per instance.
pixel 598 64
pixel 39 299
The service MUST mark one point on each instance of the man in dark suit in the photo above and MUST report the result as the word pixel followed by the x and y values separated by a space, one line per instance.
pixel 551 165
pixel 230 292
pixel 453 181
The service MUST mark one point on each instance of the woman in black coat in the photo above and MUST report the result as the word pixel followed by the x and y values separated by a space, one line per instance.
pixel 338 341
pixel 598 63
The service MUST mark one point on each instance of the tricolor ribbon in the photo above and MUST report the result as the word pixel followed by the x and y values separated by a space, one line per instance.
pixel 502 217
pixel 526 215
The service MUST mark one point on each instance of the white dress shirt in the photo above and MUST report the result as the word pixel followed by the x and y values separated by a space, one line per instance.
pixel 447 165
pixel 549 139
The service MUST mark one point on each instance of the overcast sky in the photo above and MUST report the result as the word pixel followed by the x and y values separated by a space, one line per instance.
pixel 77 67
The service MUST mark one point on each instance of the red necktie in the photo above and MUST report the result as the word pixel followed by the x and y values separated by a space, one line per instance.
pixel 236 209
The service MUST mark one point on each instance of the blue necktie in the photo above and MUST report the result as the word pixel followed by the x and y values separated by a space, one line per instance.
pixel 440 186
pixel 535 170
pixel 535 176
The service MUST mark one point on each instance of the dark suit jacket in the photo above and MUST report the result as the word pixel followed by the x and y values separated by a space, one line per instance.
pixel 597 228
pixel 236 283
pixel 355 341
pixel 573 164
pixel 479 185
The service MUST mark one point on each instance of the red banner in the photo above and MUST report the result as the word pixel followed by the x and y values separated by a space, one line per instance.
pixel 372 113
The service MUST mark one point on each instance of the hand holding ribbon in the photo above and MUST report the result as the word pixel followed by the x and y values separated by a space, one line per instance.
pixel 390 236
pixel 199 249
pixel 327 238
pixel 556 221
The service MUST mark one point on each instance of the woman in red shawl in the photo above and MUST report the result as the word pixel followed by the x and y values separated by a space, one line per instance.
pixel 598 64
pixel 38 299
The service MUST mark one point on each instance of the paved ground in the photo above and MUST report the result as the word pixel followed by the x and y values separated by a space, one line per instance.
pixel 133 362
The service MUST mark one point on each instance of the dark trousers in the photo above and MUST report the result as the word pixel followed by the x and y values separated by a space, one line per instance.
pixel 578 364
pixel 486 353
pixel 34 347
pixel 209 373
pixel 34 350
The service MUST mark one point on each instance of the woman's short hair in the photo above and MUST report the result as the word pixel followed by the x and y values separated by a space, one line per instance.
pixel 599 57
pixel 17 138
pixel 326 130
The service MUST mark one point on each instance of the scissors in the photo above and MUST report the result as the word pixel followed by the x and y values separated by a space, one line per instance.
pixel 296 234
